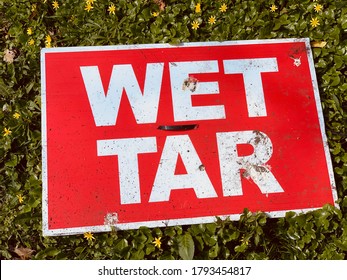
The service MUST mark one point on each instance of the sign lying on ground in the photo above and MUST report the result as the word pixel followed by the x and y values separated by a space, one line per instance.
pixel 160 135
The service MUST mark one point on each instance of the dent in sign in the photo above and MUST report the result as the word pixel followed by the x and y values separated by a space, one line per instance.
pixel 105 108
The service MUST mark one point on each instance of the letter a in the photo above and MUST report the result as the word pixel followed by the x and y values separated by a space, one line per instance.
pixel 166 180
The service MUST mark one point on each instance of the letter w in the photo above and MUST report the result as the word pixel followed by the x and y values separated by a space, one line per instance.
pixel 105 107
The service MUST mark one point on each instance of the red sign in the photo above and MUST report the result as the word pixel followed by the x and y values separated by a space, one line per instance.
pixel 155 135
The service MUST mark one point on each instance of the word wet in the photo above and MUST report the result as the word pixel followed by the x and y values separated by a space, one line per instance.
pixel 145 104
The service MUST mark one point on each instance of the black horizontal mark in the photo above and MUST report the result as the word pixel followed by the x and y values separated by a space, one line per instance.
pixel 178 127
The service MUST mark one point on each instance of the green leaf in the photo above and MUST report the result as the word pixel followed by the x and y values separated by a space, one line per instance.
pixel 120 245
pixel 51 252
pixel 166 256
pixel 79 250
pixel 4 89
pixel 343 21
pixel 149 249
pixel 14 160
pixel 241 248
pixel 214 251
pixel 170 231
pixel 138 255
pixel 262 220
pixel 186 247
pixel 140 238
pixel 341 245
pixel 200 243
pixel 211 228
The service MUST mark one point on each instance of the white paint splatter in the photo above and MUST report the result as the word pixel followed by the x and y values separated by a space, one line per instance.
pixel 297 61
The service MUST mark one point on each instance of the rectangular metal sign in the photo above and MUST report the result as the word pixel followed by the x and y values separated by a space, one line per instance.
pixel 160 135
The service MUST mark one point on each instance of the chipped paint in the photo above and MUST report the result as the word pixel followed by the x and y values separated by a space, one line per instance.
pixel 190 84
pixel 111 219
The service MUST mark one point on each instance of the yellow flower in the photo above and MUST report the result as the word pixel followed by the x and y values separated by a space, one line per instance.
pixel 223 8
pixel 29 31
pixel 111 9
pixel 20 198
pixel 314 22
pixel 157 242
pixel 90 1
pixel 7 131
pixel 198 8
pixel 16 115
pixel 245 240
pixel 88 6
pixel 273 8
pixel 155 14
pixel 89 236
pixel 31 42
pixel 212 20
pixel 55 5
pixel 318 7
pixel 48 41
pixel 195 25
pixel 33 7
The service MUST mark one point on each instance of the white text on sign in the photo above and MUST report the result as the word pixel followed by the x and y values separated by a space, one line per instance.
pixel 105 107
pixel 145 104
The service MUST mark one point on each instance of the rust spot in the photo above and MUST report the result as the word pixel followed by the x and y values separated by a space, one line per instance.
pixel 190 83
pixel 245 174
pixel 260 168
pixel 202 167
pixel 258 137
